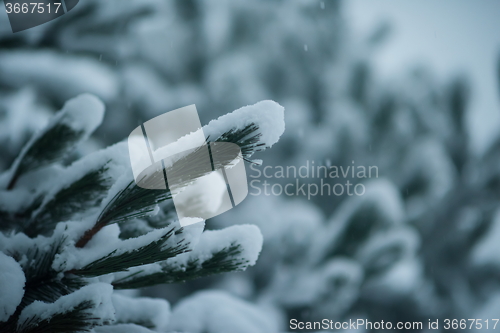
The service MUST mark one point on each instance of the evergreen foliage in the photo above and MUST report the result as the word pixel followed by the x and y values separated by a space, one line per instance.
pixel 61 237
pixel 422 243
pixel 222 261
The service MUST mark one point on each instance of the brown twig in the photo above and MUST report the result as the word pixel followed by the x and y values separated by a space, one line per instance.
pixel 87 236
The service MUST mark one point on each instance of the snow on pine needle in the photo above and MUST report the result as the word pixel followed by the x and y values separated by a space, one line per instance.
pixel 70 234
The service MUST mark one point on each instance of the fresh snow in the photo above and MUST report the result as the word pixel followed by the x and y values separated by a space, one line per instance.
pixel 115 158
pixel 142 309
pixel 308 286
pixel 14 200
pixel 429 160
pixel 56 74
pixel 218 312
pixel 268 115
pixel 380 195
pixel 12 282
pixel 401 279
pixel 82 113
pixel 122 328
pixel 211 241
pixel 385 247
pixel 284 223
pixel 21 115
pixel 98 293
pixel 107 240
pixel 485 253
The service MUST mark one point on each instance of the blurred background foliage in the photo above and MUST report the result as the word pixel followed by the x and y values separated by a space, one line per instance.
pixel 422 243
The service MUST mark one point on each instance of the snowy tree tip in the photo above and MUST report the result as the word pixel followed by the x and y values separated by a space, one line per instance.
pixel 272 122
pixel 251 241
pixel 99 294
pixel 216 311
pixel 12 282
pixel 154 312
pixel 248 236
pixel 84 112
pixel 267 115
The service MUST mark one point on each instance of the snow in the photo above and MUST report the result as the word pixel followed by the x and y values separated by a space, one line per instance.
pixel 268 115
pixel 233 79
pixel 98 293
pixel 12 282
pixel 212 241
pixel 381 195
pixel 248 236
pixel 22 116
pixel 84 112
pixel 142 309
pixel 391 257
pixel 218 312
pixel 16 242
pixel 118 165
pixel 307 286
pixel 106 241
pixel 217 25
pixel 379 250
pixel 429 160
pixel 340 280
pixel 139 271
pixel 21 243
pixel 122 328
pixel 403 278
pixel 489 309
pixel 145 87
pixel 486 251
pixel 115 158
pixel 59 75
pixel 236 284
pixel 14 200
pixel 289 227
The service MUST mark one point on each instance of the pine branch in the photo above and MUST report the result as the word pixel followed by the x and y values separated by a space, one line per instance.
pixel 137 202
pixel 135 228
pixel 42 281
pixel 158 250
pixel 73 321
pixel 50 146
pixel 61 135
pixel 248 139
pixel 16 222
pixel 131 202
pixel 138 227
pixel 226 260
pixel 81 310
pixel 85 193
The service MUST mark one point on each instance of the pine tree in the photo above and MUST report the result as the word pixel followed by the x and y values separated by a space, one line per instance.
pixel 421 243
pixel 73 234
